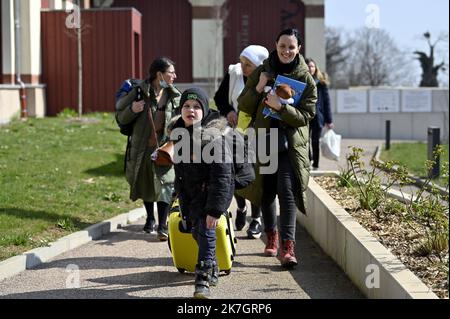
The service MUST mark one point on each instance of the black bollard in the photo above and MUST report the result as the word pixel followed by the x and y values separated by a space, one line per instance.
pixel 388 134
pixel 434 134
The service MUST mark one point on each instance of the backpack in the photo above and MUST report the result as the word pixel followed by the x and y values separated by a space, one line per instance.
pixel 244 173
pixel 127 87
pixel 127 129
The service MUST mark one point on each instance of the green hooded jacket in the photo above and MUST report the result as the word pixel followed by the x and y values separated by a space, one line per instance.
pixel 297 122
pixel 147 181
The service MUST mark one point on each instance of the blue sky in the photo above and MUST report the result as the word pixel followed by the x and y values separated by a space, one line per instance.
pixel 405 20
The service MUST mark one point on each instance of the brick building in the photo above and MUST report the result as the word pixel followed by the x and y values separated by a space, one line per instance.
pixel 201 36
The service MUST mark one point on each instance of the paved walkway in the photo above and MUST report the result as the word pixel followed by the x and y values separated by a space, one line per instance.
pixel 369 147
pixel 128 263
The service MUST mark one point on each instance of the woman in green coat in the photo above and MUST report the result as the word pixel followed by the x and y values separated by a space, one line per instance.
pixel 147 181
pixel 290 180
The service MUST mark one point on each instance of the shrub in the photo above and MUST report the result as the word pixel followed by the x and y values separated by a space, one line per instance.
pixel 346 177
pixel 426 214
pixel 66 224
pixel 67 113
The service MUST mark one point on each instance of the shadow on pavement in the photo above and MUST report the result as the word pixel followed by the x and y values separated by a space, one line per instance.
pixel 107 262
pixel 151 280
pixel 318 275
pixel 130 232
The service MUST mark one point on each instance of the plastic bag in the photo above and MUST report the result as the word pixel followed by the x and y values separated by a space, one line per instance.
pixel 331 145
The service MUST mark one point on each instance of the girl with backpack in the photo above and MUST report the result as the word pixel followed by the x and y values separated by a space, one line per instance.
pixel 151 183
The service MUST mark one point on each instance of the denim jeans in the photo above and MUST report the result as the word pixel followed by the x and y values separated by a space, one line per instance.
pixel 256 212
pixel 206 240
pixel 284 184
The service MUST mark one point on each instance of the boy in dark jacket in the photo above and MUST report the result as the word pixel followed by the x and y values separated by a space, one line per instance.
pixel 205 189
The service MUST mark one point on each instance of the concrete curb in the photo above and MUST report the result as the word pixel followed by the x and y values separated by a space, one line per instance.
pixel 370 266
pixel 37 256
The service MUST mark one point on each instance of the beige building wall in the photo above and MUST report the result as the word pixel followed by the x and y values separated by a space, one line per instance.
pixel 68 4
pixel 207 59
pixel 315 31
pixel 206 29
pixel 55 4
pixel 36 102
pixel 8 53
pixel 30 19
pixel 9 105
pixel 30 68
pixel 30 42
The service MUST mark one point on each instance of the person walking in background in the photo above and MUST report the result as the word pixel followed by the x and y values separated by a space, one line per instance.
pixel 323 112
pixel 226 100
pixel 291 178
pixel 147 181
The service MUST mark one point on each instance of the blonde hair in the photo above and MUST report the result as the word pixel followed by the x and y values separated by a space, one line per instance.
pixel 319 75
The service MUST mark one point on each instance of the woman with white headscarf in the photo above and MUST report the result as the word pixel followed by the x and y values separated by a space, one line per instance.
pixel 226 100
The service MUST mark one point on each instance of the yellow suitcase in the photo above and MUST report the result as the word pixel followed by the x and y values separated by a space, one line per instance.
pixel 184 248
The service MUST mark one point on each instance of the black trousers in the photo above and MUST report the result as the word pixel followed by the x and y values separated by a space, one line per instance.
pixel 284 184
pixel 256 212
pixel 163 212
pixel 314 151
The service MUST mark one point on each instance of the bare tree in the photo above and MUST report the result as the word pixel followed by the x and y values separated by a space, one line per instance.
pixel 429 69
pixel 337 54
pixel 73 22
pixel 221 15
pixel 80 64
pixel 376 60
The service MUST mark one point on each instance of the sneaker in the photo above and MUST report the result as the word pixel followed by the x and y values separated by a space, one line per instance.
pixel 163 233
pixel 254 231
pixel 240 218
pixel 271 249
pixel 150 227
pixel 287 255
pixel 202 292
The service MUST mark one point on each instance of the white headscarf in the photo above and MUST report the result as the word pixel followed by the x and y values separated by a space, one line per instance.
pixel 255 54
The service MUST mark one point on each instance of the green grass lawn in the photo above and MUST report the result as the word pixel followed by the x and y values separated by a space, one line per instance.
pixel 59 175
pixel 413 155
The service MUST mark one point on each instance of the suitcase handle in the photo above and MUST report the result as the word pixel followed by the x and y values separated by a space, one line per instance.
pixel 183 226
pixel 228 217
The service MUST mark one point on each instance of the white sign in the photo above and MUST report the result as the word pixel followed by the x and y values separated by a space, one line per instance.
pixel 416 101
pixel 384 101
pixel 349 101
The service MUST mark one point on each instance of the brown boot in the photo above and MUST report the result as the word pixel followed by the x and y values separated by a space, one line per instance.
pixel 287 254
pixel 271 249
